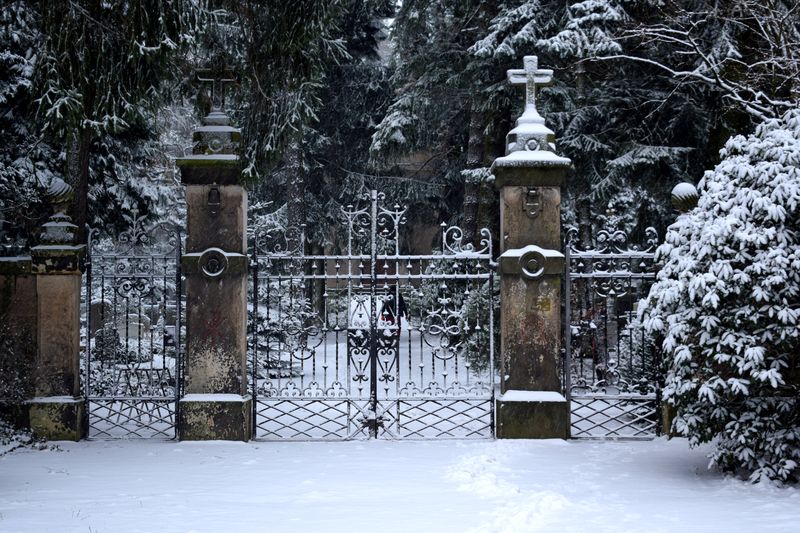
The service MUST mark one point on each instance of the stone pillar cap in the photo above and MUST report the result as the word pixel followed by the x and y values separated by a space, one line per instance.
pixel 532 158
pixel 210 169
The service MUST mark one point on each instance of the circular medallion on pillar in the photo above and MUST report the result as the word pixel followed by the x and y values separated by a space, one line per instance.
pixel 213 263
pixel 532 263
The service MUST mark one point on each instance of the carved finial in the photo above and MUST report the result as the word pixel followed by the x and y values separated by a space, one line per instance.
pixel 531 76
pixel 59 230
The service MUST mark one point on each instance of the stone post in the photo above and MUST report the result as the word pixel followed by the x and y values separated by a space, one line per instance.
pixel 216 405
pixel 18 330
pixel 57 410
pixel 529 178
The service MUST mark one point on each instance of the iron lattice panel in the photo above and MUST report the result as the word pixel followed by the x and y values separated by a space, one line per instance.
pixel 131 418
pixel 343 419
pixel 303 419
pixel 610 371
pixel 457 418
pixel 614 416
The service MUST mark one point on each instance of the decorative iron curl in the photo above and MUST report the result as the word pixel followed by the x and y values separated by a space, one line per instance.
pixel 357 223
pixel 154 241
pixel 279 241
pixel 652 239
pixel 571 238
pixel 132 266
pixel 453 241
pixel 610 287
pixel 612 241
pixel 132 287
pixel 388 224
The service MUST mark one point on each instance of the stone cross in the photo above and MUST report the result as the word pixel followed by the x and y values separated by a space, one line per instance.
pixel 217 77
pixel 530 76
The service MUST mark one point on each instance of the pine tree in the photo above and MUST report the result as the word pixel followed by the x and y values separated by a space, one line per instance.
pixel 102 72
pixel 27 166
pixel 727 303
pixel 311 157
pixel 439 110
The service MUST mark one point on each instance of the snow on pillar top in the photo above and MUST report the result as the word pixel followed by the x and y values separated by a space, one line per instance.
pixel 531 141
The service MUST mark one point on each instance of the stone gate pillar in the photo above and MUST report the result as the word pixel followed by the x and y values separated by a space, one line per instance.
pixel 215 405
pixel 57 410
pixel 529 178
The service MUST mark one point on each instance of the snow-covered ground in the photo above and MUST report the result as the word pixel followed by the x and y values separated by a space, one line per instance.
pixel 482 486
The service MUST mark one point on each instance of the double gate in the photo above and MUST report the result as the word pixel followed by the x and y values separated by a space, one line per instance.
pixel 372 343
pixel 611 370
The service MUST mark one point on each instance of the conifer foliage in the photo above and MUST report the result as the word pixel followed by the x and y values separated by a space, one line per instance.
pixel 727 302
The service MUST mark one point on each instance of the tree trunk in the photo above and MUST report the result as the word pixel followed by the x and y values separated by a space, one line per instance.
pixel 79 148
pixel 472 184
pixel 295 190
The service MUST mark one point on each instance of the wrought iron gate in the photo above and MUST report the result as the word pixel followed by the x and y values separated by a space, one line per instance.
pixel 611 368
pixel 132 358
pixel 372 343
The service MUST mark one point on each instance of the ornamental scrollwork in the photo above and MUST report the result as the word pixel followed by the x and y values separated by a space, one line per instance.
pixel 453 242
pixel 153 241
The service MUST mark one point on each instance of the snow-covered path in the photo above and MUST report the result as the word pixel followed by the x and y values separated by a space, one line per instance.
pixel 486 486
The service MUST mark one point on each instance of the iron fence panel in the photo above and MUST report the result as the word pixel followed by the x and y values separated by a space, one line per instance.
pixel 611 367
pixel 132 351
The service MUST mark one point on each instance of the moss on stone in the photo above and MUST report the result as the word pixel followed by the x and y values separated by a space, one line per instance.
pixel 533 420
pixel 215 420
pixel 15 266
pixel 55 420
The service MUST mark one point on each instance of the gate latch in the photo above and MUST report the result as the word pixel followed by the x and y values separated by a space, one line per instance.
pixel 372 420
pixel 532 202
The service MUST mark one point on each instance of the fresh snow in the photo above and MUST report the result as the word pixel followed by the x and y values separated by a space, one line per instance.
pixel 55 399
pixel 531 396
pixel 213 397
pixel 441 486
pixel 521 157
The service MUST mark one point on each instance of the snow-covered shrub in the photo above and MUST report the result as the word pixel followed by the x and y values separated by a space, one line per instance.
pixel 727 302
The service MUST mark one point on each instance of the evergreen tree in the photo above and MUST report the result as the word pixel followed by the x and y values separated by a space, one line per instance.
pixel 727 303
pixel 439 115
pixel 629 130
pixel 102 73
pixel 312 88
pixel 27 167
pixel 748 51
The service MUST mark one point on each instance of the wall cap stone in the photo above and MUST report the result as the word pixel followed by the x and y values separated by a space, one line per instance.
pixel 528 176
pixel 532 158
pixel 56 399
pixel 58 259
pixel 212 397
pixel 531 262
pixel 15 266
